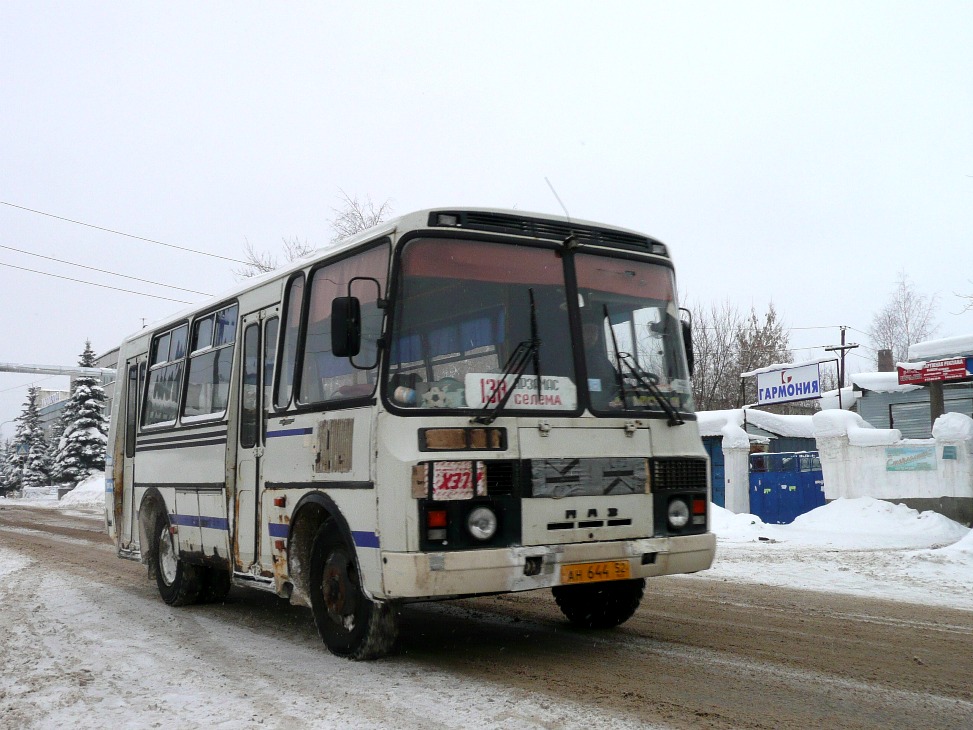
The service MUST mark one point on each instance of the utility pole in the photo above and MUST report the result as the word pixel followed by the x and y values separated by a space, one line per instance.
pixel 843 349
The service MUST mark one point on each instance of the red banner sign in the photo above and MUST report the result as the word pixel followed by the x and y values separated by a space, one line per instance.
pixel 935 371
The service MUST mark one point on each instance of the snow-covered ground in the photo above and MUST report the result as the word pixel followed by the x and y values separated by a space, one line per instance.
pixel 859 546
pixel 60 670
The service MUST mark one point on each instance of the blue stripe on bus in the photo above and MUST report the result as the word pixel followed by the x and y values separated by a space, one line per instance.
pixel 276 529
pixel 212 523
pixel 365 539
pixel 289 432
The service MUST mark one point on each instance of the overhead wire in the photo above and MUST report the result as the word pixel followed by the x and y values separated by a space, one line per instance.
pixel 91 283
pixel 122 233
pixel 105 271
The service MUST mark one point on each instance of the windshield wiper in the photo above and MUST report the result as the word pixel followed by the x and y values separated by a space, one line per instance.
pixel 516 364
pixel 646 380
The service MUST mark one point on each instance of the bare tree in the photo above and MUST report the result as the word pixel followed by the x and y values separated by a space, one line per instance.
pixel 908 317
pixel 726 343
pixel 259 262
pixel 760 343
pixel 356 215
pixel 714 346
pixel 351 217
pixel 967 303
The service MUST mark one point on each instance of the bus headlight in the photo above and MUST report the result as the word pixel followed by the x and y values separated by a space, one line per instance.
pixel 482 523
pixel 678 514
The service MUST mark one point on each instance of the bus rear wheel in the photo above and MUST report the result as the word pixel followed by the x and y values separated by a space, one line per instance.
pixel 351 624
pixel 600 605
pixel 179 582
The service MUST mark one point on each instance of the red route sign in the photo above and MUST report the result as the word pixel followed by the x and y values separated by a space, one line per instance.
pixel 955 368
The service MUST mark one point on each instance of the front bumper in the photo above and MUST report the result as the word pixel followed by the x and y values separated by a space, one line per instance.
pixel 471 572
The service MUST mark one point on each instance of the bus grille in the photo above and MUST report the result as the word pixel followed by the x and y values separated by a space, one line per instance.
pixel 553 230
pixel 671 474
pixel 502 477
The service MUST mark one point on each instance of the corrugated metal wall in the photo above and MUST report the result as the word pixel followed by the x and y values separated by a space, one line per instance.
pixel 909 412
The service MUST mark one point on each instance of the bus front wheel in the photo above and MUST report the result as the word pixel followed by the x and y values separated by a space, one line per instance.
pixel 351 624
pixel 600 605
pixel 179 582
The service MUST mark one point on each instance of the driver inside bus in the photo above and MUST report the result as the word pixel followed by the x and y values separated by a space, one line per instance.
pixel 602 374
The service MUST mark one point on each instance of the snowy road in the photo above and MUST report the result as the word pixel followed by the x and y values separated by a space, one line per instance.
pixel 85 642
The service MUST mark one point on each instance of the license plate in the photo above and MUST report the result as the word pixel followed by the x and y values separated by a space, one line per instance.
pixel 594 572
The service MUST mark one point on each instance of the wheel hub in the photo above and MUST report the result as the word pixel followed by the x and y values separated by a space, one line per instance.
pixel 168 562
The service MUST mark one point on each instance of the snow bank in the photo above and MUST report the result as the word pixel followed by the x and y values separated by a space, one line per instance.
pixel 727 524
pixel 870 516
pixel 963 547
pixel 953 427
pixel 90 493
pixel 863 523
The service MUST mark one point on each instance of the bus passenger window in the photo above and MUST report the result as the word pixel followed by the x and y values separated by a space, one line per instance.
pixel 210 361
pixel 270 354
pixel 250 389
pixel 165 377
pixel 131 410
pixel 288 349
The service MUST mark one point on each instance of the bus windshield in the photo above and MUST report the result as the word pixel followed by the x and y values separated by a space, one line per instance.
pixel 632 336
pixel 466 310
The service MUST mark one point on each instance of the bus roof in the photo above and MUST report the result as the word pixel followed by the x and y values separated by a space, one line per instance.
pixel 510 222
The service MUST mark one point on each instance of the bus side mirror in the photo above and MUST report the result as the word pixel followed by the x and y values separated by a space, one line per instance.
pixel 687 341
pixel 345 326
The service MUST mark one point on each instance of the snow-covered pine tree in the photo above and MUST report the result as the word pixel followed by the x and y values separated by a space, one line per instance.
pixel 6 449
pixel 29 465
pixel 81 449
pixel 53 443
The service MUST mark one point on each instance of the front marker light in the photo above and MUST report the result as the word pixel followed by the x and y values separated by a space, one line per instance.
pixel 678 514
pixel 482 523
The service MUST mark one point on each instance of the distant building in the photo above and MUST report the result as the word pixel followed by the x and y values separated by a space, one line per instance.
pixel 50 403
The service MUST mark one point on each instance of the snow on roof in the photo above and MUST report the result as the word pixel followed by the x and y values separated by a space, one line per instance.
pixel 849 397
pixel 882 382
pixel 939 349
pixel 787 366
pixel 717 423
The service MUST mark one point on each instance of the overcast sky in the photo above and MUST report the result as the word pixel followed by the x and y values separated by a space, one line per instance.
pixel 801 155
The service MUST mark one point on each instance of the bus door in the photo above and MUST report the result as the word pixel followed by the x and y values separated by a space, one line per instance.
pixel 257 367
pixel 126 521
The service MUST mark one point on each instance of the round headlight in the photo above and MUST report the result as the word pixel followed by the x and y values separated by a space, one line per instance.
pixel 678 513
pixel 482 523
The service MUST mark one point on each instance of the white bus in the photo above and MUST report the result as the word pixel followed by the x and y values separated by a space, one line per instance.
pixel 458 402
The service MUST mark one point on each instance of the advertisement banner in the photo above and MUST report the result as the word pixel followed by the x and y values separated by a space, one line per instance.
pixel 910 458
pixel 789 384
pixel 935 371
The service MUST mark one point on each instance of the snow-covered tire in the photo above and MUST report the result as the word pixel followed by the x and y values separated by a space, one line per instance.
pixel 351 624
pixel 600 605
pixel 179 582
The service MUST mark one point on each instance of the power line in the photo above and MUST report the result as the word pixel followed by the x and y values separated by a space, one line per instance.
pixel 27 385
pixel 91 283
pixel 104 271
pixel 120 233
